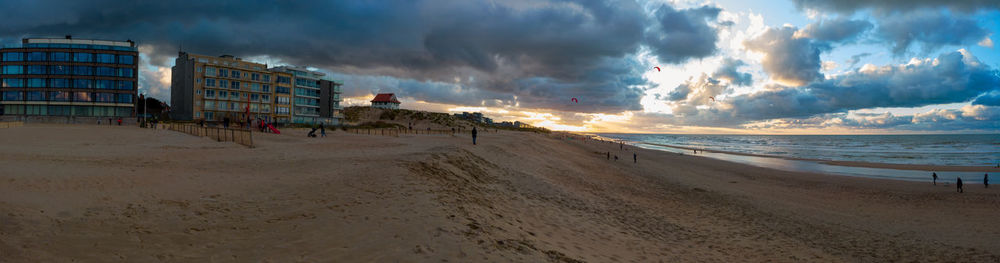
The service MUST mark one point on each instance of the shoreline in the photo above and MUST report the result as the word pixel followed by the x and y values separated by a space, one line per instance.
pixel 908 167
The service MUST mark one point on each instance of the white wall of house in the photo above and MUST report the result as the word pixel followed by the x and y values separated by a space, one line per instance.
pixel 385 105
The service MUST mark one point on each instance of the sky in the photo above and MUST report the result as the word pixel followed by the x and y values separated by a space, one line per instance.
pixel 726 66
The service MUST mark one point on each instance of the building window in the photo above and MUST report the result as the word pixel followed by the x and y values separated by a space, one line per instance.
pixel 209 105
pixel 82 96
pixel 282 100
pixel 223 83
pixel 210 71
pixel 210 82
pixel 266 88
pixel 13 95
pixel 105 58
pixel 124 98
pixel 125 72
pixel 126 59
pixel 60 70
pixel 222 95
pixel 126 85
pixel 104 84
pixel 60 56
pixel 223 73
pixel 234 95
pixel 255 77
pixel 255 87
pixel 59 83
pixel 13 56
pixel 34 96
pixel 104 97
pixel 197 114
pixel 197 92
pixel 104 71
pixel 283 90
pixel 284 80
pixel 83 70
pixel 265 98
pixel 267 78
pixel 235 74
pixel 59 96
pixel 254 97
pixel 234 85
pixel 35 56
pixel 82 84
pixel 209 93
pixel 13 70
pixel 13 83
pixel 35 70
pixel 36 83
pixel 83 57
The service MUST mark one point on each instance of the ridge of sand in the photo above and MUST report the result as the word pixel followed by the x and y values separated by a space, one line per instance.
pixel 90 193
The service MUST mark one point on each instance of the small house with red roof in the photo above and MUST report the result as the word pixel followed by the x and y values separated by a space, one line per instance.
pixel 385 101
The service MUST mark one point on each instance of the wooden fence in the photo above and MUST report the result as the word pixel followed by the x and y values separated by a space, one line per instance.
pixel 397 131
pixel 11 124
pixel 239 136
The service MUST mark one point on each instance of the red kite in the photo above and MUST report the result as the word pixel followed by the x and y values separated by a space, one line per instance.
pixel 574 100
pixel 657 69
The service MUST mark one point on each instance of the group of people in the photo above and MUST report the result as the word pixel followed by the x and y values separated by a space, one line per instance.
pixel 621 147
pixel 986 181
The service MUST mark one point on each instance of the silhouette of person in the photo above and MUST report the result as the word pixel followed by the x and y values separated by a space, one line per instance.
pixel 986 180
pixel 474 134
pixel 635 158
pixel 609 155
pixel 934 175
pixel 960 185
pixel 322 130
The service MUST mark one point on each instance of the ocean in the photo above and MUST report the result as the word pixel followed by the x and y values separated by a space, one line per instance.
pixel 951 150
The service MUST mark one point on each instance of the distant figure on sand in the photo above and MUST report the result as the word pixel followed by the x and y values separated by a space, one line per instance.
pixel 474 134
pixel 119 121
pixel 616 157
pixel 621 145
pixel 635 158
pixel 609 155
pixel 960 185
pixel 934 175
pixel 986 180
pixel 322 130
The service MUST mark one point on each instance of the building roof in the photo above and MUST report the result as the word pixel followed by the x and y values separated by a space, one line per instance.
pixel 385 97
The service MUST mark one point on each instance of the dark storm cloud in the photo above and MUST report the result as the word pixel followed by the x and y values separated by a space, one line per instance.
pixel 849 6
pixel 788 59
pixel 836 30
pixel 679 35
pixel 730 71
pixel 932 29
pixel 954 77
pixel 989 99
pixel 512 49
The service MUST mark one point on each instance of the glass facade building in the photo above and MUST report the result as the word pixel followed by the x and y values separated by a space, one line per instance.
pixel 69 77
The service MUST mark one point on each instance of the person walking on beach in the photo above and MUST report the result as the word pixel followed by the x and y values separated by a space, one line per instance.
pixel 934 175
pixel 960 185
pixel 119 121
pixel 609 156
pixel 474 134
pixel 986 180
pixel 322 130
pixel 635 158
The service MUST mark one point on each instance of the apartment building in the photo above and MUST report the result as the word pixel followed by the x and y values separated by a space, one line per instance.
pixel 220 88
pixel 67 78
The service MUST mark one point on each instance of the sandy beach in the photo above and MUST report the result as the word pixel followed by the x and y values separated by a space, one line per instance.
pixel 124 194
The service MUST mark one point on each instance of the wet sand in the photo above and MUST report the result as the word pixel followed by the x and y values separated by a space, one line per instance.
pixel 89 193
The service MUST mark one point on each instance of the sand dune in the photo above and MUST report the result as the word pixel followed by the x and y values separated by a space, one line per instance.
pixel 90 193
